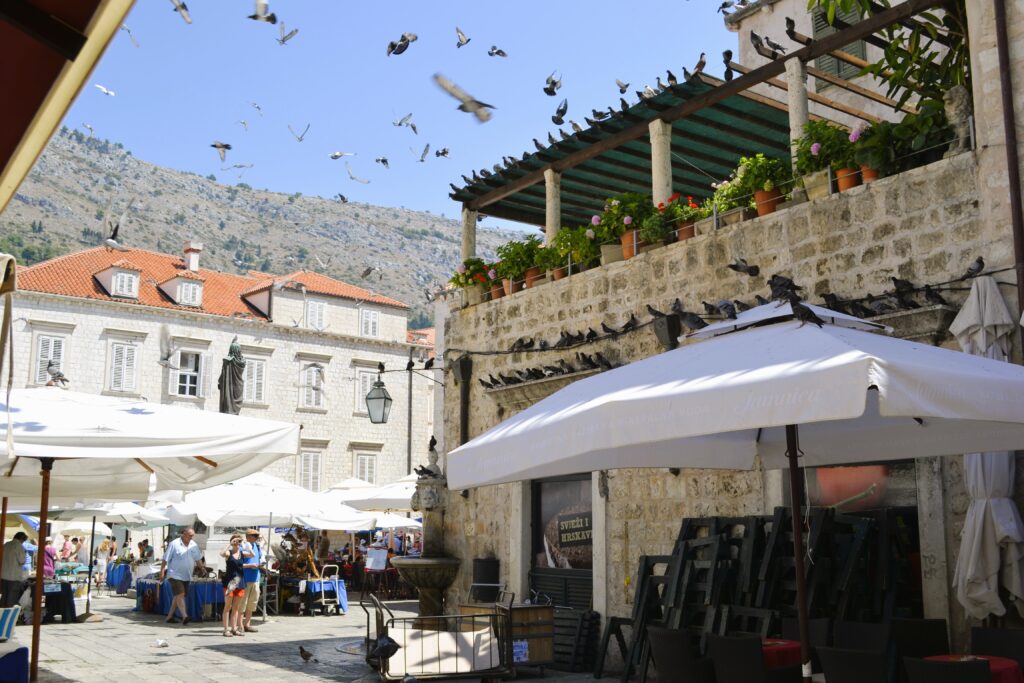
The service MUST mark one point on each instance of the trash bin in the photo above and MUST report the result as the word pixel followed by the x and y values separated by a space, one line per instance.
pixel 485 579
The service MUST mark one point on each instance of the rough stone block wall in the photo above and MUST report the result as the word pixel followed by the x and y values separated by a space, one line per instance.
pixel 922 225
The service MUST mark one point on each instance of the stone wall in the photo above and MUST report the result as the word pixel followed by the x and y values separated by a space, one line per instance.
pixel 923 225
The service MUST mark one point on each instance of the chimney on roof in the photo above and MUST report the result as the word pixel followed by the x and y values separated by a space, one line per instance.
pixel 192 250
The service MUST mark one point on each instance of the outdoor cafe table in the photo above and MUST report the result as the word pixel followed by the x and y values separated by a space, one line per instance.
pixel 780 653
pixel 1003 670
pixel 200 593
pixel 309 589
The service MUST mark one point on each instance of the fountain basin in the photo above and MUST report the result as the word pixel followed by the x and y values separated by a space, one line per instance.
pixel 427 572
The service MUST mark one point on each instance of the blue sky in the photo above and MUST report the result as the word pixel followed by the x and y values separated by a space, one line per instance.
pixel 188 85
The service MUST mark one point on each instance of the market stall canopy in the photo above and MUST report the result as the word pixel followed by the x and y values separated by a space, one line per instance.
pixel 107 447
pixel 857 396
pixel 85 527
pixel 48 49
pixel 390 520
pixel 393 496
pixel 125 512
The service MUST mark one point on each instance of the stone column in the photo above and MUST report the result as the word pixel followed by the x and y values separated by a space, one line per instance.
pixel 552 204
pixel 796 80
pixel 520 542
pixel 468 232
pixel 661 161
pixel 599 534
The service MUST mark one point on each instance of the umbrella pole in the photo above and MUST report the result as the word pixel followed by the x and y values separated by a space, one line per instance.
pixel 796 494
pixel 89 616
pixel 3 531
pixel 270 531
pixel 37 600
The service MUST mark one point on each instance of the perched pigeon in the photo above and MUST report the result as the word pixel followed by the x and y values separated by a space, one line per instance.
pixel 974 269
pixel 56 376
pixel 699 66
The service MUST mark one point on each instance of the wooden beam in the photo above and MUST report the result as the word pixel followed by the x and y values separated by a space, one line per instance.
pixel 860 90
pixel 205 461
pixel 144 465
pixel 813 97
pixel 736 86
pixel 44 27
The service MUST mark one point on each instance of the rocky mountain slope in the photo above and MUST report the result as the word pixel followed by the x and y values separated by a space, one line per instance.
pixel 60 209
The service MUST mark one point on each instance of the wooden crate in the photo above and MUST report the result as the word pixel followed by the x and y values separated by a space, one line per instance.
pixel 532 630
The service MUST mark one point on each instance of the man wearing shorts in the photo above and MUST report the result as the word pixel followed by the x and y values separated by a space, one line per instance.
pixel 253 562
pixel 179 560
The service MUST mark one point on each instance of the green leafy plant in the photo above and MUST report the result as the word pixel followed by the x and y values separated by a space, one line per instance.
pixel 517 257
pixel 624 212
pixel 876 148
pixel 730 194
pixel 657 226
pixel 472 271
pixel 823 145
pixel 548 257
pixel 579 244
pixel 761 173
pixel 923 135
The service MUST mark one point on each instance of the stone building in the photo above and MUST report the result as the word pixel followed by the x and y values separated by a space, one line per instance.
pixel 145 324
pixel 927 225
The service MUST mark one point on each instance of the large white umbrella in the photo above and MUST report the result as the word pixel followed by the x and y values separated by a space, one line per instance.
pixel 834 395
pixel 394 496
pixel 86 528
pixel 992 545
pixel 122 512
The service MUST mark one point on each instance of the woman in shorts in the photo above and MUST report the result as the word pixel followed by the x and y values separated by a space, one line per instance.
pixel 234 587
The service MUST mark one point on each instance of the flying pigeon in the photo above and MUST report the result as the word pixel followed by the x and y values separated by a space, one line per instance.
pixel 461 37
pixel 740 266
pixel 286 36
pixel 222 149
pixel 426 151
pixel 182 9
pixel 88 128
pixel 467 103
pixel 105 91
pixel 298 137
pixel 397 47
pixel 552 85
pixel 563 107
pixel 341 198
pixel 383 161
pixel 443 152
pixel 127 30
pixel 115 225
pixel 623 87
pixel 167 348
pixel 244 124
pixel 354 177
pixel 261 13
pixel 724 6
pixel 496 51
pixel 338 155
pixel 257 107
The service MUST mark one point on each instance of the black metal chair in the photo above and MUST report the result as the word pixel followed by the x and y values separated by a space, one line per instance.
pixel 746 621
pixel 820 632
pixel 856 635
pixel 999 642
pixel 925 671
pixel 918 638
pixel 853 666
pixel 674 659
pixel 741 660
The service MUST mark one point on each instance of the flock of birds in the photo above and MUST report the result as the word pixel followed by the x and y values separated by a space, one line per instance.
pixel 782 290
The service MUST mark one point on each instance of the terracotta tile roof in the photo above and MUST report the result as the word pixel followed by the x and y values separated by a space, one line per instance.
pixel 72 275
pixel 124 264
pixel 258 287
pixel 423 336
pixel 185 274
pixel 321 284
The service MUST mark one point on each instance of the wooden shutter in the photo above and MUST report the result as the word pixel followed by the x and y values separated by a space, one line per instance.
pixel 315 314
pixel 254 373
pixel 369 326
pixel 366 467
pixel 312 396
pixel 363 387
pixel 129 368
pixel 828 63
pixel 201 388
pixel 309 470
pixel 116 367
pixel 48 348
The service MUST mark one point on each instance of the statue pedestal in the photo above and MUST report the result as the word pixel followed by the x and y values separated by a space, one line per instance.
pixel 432 573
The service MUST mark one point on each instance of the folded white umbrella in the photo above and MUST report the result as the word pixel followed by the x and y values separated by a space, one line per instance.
pixel 393 496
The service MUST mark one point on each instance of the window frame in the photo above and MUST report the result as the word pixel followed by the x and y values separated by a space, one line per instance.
pixel 257 368
pixel 360 397
pixel 371 318
pixel 300 468
pixel 831 65
pixel 40 376
pixel 320 307
pixel 359 458
pixel 193 287
pixel 199 372
pixel 129 276
pixel 311 382
pixel 129 367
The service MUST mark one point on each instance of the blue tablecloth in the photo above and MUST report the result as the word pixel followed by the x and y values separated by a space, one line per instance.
pixel 335 585
pixel 120 577
pixel 200 594
pixel 14 666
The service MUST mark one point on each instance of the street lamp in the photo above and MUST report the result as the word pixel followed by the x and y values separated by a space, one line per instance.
pixel 378 402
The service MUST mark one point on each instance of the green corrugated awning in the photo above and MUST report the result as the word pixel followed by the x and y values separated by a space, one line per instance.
pixel 706 146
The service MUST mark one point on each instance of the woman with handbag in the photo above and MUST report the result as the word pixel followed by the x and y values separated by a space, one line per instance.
pixel 234 587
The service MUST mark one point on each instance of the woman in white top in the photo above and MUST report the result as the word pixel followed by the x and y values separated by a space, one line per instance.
pixel 100 572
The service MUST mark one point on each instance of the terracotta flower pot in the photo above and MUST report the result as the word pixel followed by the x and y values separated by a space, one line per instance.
pixel 767 201
pixel 497 291
pixel 560 272
pixel 847 178
pixel 866 484
pixel 533 276
pixel 511 286
pixel 868 174
pixel 685 230
pixel 631 244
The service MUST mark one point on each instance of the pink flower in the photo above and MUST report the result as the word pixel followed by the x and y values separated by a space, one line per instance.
pixel 855 134
pixel 628 220
pixel 492 274
pixel 595 220
pixel 590 234
pixel 815 148
pixel 461 269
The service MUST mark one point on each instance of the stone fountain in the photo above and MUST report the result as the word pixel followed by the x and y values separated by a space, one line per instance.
pixel 432 572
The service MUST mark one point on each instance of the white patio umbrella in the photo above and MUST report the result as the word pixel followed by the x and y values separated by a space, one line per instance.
pixel 92 446
pixel 351 484
pixel 85 527
pixel 992 544
pixel 834 395
pixel 394 496
pixel 390 520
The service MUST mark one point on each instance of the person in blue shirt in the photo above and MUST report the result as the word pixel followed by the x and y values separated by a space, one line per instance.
pixel 252 565
pixel 30 552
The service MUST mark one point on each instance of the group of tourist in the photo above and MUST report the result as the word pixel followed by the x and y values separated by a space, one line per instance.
pixel 244 560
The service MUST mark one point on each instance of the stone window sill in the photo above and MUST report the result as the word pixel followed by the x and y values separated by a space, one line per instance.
pixel 122 394
pixel 317 411
pixel 256 406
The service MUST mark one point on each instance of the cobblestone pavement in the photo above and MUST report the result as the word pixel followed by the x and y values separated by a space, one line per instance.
pixel 124 645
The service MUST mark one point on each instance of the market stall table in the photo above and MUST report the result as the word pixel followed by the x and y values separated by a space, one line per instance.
pixel 60 601
pixel 119 577
pixel 311 590
pixel 200 593
pixel 780 653
pixel 1003 669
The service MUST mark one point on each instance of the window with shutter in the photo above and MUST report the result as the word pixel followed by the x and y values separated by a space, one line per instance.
pixel 48 348
pixel 189 373
pixel 366 467
pixel 255 371
pixel 126 284
pixel 316 314
pixel 122 367
pixel 369 323
pixel 312 386
pixel 190 293
pixel 828 63
pixel 364 382
pixel 309 470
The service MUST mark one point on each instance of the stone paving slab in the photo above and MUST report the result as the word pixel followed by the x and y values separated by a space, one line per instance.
pixel 123 645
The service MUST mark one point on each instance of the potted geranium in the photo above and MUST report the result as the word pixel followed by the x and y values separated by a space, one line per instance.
pixel 845 164
pixel 731 201
pixel 762 176
pixel 548 258
pixel 621 220
pixel 497 290
pixel 471 276
pixel 875 151
pixel 686 214
pixel 818 148
pixel 517 258
pixel 576 246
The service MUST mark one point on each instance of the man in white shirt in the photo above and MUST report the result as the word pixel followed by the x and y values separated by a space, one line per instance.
pixel 11 573
pixel 180 559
